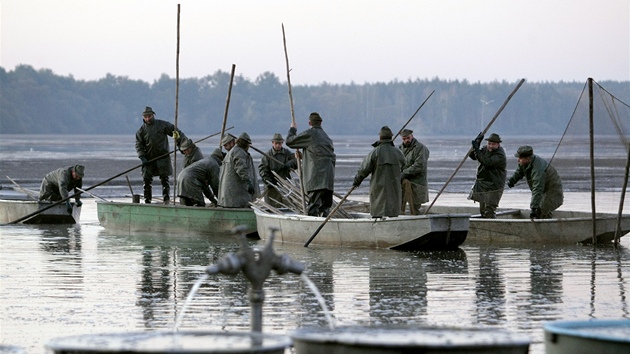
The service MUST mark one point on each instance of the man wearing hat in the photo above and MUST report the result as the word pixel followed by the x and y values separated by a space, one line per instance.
pixel 56 185
pixel 491 173
pixel 192 153
pixel 543 180
pixel 385 164
pixel 199 179
pixel 153 150
pixel 280 160
pixel 238 183
pixel 319 164
pixel 228 141
pixel 415 190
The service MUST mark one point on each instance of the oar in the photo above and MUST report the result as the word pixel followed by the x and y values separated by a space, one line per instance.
pixel 414 114
pixel 23 190
pixel 329 216
pixel 299 162
pixel 227 104
pixel 96 185
pixel 93 195
pixel 496 115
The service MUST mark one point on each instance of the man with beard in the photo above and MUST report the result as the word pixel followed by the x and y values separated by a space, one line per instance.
pixel 151 143
pixel 238 183
pixel 415 190
pixel 488 187
pixel 319 164
pixel 280 160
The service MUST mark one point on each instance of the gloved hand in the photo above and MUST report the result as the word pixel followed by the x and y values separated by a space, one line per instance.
pixel 479 138
pixel 250 188
pixel 68 207
pixel 79 203
pixel 144 160
pixel 535 214
pixel 176 135
pixel 357 181
pixel 510 184
pixel 475 145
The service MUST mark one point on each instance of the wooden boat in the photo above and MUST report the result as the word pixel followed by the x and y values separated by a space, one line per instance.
pixel 513 226
pixel 179 219
pixel 419 232
pixel 592 336
pixel 15 207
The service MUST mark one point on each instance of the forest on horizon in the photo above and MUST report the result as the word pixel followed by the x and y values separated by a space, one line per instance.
pixel 41 102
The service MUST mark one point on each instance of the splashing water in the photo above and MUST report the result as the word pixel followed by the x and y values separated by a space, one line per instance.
pixel 189 298
pixel 320 299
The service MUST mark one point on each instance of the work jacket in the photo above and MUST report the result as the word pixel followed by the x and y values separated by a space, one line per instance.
pixel 318 156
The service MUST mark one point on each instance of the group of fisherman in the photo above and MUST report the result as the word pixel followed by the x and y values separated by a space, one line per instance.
pixel 398 174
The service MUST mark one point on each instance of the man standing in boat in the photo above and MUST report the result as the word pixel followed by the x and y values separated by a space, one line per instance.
pixel 415 190
pixel 59 182
pixel 238 182
pixel 319 164
pixel 385 163
pixel 543 180
pixel 491 174
pixel 151 143
pixel 280 160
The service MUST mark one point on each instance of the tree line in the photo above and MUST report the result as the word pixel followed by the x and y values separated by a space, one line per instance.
pixel 41 102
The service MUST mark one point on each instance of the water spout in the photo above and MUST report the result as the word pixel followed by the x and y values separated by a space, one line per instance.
pixel 320 299
pixel 189 298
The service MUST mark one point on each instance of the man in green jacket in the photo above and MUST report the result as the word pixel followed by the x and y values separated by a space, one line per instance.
pixel 415 190
pixel 319 164
pixel 56 185
pixel 384 163
pixel 279 160
pixel 491 173
pixel 543 181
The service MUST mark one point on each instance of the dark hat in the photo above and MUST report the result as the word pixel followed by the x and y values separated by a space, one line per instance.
pixel 314 117
pixel 277 137
pixel 495 138
pixel 79 170
pixel 406 132
pixel 217 154
pixel 245 137
pixel 524 151
pixel 148 110
pixel 187 143
pixel 227 138
pixel 385 133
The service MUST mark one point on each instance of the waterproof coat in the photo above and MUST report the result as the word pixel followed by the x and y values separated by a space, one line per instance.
pixel 319 157
pixel 152 142
pixel 282 163
pixel 415 169
pixel 384 163
pixel 236 171
pixel 491 175
pixel 194 156
pixel 195 181
pixel 56 185
pixel 543 181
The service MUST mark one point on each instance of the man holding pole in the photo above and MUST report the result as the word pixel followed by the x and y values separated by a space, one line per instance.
pixel 488 187
pixel 151 143
pixel 280 160
pixel 319 164
pixel 415 190
pixel 56 185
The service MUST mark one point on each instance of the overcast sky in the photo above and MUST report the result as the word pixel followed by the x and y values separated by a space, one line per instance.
pixel 336 41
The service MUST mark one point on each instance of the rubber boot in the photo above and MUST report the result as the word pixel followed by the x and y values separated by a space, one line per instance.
pixel 147 190
pixel 166 189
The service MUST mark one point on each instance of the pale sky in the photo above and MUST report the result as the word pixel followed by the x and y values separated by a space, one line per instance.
pixel 334 41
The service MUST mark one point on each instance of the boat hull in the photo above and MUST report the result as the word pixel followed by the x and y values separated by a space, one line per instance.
pixel 567 227
pixel 593 336
pixel 15 209
pixel 178 219
pixel 401 233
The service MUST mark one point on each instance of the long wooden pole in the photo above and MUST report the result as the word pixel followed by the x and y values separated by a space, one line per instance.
pixel 496 115
pixel 591 138
pixel 176 105
pixel 96 185
pixel 227 104
pixel 299 162
pixel 414 114
pixel 329 216
pixel 622 199
pixel 265 154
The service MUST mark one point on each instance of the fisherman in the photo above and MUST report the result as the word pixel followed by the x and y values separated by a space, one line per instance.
pixel 543 181
pixel 385 164
pixel 151 143
pixel 192 153
pixel 415 190
pixel 199 179
pixel 491 174
pixel 280 160
pixel 238 182
pixel 56 185
pixel 319 164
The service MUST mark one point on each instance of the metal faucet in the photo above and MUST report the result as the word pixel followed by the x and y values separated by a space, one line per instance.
pixel 256 264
